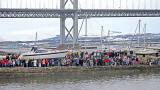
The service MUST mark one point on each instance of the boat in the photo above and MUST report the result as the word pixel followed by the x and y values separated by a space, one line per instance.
pixel 147 52
pixel 2 57
pixel 43 54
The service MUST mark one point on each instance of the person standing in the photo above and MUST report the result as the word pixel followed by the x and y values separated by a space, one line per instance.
pixel 51 62
pixel 5 62
pixel 150 61
pixel 77 61
pixel 81 62
pixel 136 60
pixel 91 62
pixel 2 63
pixel 35 63
pixel 130 62
pixel 95 61
pixel 39 63
pixel 59 62
pixel 133 60
pixel 159 60
pixel 139 61
pixel 13 62
pixel 155 60
pixel 46 62
pixel 43 63
pixel 26 62
pixel 9 63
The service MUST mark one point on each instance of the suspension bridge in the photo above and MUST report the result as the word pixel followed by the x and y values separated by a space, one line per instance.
pixel 77 9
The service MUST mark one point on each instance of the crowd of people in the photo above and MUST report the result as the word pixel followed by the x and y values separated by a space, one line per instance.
pixel 82 59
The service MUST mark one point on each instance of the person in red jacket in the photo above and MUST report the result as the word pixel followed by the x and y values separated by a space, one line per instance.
pixel 2 62
pixel 59 62
pixel 139 61
pixel 46 61
pixel 130 62
pixel 5 62
pixel 108 53
pixel 106 60
pixel 16 57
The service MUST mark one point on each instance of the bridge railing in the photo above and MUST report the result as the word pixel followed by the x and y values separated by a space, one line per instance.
pixel 82 4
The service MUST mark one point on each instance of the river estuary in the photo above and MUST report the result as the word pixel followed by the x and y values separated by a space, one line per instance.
pixel 86 80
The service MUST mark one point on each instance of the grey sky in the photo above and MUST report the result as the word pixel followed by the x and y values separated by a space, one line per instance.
pixel 25 29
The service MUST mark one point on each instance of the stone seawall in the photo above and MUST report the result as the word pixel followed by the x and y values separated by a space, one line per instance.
pixel 144 68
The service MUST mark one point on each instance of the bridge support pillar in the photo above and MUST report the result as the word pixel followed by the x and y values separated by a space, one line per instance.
pixel 63 27
pixel 75 30
pixel 62 23
pixel 62 30
pixel 75 24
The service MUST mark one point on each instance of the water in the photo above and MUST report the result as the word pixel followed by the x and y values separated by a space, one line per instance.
pixel 89 80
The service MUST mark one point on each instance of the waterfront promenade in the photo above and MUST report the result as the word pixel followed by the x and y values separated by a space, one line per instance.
pixel 140 68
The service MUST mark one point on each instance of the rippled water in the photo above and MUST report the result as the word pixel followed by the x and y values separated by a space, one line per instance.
pixel 89 80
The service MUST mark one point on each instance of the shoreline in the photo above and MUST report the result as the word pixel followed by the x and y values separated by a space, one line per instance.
pixel 141 68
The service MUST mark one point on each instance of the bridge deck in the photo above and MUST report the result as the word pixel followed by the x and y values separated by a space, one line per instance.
pixel 69 13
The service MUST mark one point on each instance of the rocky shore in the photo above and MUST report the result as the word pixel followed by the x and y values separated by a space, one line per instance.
pixel 142 68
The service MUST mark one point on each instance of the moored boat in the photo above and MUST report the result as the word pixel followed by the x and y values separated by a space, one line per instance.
pixel 43 54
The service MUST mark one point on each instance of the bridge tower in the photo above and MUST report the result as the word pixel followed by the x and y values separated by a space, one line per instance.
pixel 63 27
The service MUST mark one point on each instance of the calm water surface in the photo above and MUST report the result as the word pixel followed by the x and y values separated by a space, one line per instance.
pixel 89 80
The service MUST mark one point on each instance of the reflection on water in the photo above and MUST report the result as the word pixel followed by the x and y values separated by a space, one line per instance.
pixel 89 80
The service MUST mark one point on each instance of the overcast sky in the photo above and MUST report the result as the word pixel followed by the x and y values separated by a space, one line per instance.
pixel 24 29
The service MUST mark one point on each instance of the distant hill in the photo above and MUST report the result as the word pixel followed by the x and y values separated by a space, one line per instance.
pixel 54 41
pixel 125 36
pixel 57 37
pixel 136 35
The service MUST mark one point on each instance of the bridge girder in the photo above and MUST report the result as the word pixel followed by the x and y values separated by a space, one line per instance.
pixel 69 13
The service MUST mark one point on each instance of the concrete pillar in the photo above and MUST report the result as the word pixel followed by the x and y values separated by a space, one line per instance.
pixel 62 2
pixel 75 4
pixel 62 23
pixel 62 30
pixel 75 30
pixel 75 23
